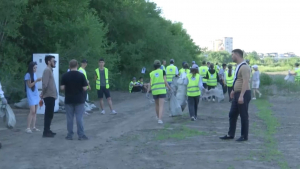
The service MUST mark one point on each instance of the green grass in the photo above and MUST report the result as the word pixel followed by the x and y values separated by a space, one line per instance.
pixel 273 68
pixel 178 134
pixel 271 153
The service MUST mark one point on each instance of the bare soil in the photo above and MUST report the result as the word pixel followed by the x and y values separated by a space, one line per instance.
pixel 133 139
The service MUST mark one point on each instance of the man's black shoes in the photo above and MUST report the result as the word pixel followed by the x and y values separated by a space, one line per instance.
pixel 242 139
pixel 226 137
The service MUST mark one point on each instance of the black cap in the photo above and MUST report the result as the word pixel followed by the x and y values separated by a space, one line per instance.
pixel 84 61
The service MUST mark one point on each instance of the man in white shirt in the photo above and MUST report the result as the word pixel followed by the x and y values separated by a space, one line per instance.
pixel 4 101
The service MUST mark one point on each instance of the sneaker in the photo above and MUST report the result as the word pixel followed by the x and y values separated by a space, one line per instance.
pixel 69 138
pixel 83 138
pixel 113 112
pixel 103 112
pixel 35 129
pixel 86 113
pixel 48 135
pixel 28 130
pixel 160 122
pixel 193 119
pixel 213 100
pixel 253 98
pixel 260 95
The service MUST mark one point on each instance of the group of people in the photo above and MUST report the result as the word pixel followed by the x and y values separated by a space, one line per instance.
pixel 207 77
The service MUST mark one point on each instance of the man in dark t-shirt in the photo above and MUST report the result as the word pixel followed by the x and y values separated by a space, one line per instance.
pixel 74 83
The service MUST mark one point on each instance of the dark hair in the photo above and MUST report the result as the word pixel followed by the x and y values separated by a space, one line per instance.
pixel 204 63
pixel 156 66
pixel 216 63
pixel 186 66
pixel 208 63
pixel 171 61
pixel 194 71
pixel 212 66
pixel 31 73
pixel 141 78
pixel 297 64
pixel 238 51
pixel 48 58
pixel 224 64
pixel 101 60
pixel 229 70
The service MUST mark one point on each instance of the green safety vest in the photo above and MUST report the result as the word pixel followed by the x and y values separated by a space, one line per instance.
pixel 84 72
pixel 193 86
pixel 216 68
pixel 212 79
pixel 98 78
pixel 130 87
pixel 203 71
pixel 182 70
pixel 142 83
pixel 163 67
pixel 297 78
pixel 157 82
pixel 171 72
pixel 229 80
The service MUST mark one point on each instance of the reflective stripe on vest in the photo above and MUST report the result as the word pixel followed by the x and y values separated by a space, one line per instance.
pixel 229 80
pixel 171 72
pixel 203 71
pixel 193 86
pixel 212 79
pixel 84 72
pixel 157 82
pixel 98 78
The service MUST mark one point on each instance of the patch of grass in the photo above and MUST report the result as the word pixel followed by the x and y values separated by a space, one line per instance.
pixel 178 134
pixel 271 152
pixel 231 167
pixel 273 68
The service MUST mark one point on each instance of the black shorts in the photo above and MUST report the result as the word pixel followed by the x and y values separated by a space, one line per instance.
pixel 103 91
pixel 160 96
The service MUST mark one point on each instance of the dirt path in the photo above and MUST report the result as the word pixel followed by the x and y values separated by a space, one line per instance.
pixel 133 139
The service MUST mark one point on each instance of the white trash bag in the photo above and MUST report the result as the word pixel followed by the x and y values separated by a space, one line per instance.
pixel 8 116
pixel 23 104
pixel 217 92
pixel 181 93
pixel 289 78
pixel 174 106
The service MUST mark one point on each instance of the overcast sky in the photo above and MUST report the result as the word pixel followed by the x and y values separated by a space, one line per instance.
pixel 260 25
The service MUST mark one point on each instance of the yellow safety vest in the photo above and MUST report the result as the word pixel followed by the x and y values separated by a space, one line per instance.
pixel 84 72
pixel 98 78
pixel 229 80
pixel 297 78
pixel 216 69
pixel 130 87
pixel 157 82
pixel 203 71
pixel 193 86
pixel 212 79
pixel 182 70
pixel 171 72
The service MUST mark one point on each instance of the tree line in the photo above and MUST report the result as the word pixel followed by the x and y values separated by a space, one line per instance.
pixel 128 34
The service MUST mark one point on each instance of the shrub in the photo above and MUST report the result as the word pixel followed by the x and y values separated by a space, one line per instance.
pixel 265 79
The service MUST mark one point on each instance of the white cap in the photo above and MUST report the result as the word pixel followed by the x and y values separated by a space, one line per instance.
pixel 255 66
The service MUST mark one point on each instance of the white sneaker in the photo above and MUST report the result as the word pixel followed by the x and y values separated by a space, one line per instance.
pixel 35 129
pixel 113 112
pixel 28 131
pixel 86 113
pixel 193 119
pixel 260 95
pixel 213 100
pixel 103 112
pixel 160 122
pixel 253 98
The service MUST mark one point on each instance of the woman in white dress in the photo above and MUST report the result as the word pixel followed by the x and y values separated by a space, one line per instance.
pixel 255 82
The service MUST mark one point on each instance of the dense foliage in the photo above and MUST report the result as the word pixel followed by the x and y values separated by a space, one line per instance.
pixel 128 34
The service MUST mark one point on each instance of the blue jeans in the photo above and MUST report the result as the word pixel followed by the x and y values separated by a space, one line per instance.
pixel 76 110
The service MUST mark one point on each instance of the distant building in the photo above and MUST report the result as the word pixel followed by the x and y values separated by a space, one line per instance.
pixel 228 44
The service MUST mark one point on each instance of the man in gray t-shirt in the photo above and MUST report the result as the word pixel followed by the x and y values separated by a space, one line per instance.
pixel 102 78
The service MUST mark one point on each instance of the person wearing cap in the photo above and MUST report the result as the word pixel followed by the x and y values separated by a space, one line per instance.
pixel 83 71
pixel 158 83
pixel 4 102
pixel 193 62
pixel 171 71
pixel 163 66
pixel 102 86
pixel 134 86
pixel 203 71
pixel 194 87
pixel 255 82
pixel 212 79
pixel 143 86
pixel 184 70
pixel 297 73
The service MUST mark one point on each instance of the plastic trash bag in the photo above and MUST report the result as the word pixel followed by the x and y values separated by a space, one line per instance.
pixel 174 106
pixel 181 93
pixel 23 104
pixel 217 92
pixel 8 116
pixel 289 78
